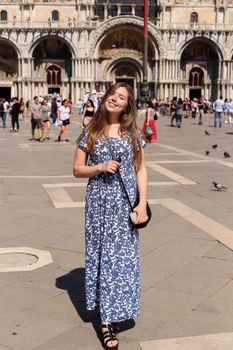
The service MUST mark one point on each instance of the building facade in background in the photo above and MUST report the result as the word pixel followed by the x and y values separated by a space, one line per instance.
pixel 74 46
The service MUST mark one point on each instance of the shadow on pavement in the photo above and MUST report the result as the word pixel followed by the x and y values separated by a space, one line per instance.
pixel 74 283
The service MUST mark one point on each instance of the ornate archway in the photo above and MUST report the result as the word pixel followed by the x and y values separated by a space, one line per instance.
pixel 52 66
pixel 122 47
pixel 200 69
pixel 127 70
pixel 8 70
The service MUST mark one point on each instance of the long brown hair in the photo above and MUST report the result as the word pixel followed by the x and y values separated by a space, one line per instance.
pixel 98 127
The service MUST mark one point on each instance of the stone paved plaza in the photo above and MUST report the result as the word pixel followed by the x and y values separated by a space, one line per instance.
pixel 186 252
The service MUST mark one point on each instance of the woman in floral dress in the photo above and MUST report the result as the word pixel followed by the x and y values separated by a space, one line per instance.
pixel 111 143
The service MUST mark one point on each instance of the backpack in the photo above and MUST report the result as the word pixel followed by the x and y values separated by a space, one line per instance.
pixel 1 107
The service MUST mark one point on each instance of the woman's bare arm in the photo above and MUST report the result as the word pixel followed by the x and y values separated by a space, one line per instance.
pixel 142 183
pixel 82 170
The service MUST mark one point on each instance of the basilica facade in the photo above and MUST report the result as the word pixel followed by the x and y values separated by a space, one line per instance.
pixel 74 47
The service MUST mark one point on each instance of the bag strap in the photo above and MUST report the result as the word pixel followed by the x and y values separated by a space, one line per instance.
pixel 118 173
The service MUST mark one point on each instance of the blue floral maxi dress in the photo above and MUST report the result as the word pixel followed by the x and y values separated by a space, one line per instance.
pixel 112 276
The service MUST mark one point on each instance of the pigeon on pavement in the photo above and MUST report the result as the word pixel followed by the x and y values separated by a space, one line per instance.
pixel 207 153
pixel 226 154
pixel 214 146
pixel 206 132
pixel 219 186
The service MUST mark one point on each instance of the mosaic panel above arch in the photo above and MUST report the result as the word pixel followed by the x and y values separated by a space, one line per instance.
pixel 40 39
pixel 8 60
pixel 202 45
pixel 115 23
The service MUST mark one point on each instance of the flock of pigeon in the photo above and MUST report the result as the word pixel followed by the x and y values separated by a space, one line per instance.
pixel 217 185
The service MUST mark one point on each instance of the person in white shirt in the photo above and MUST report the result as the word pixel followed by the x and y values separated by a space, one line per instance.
pixel 64 118
pixel 230 115
pixel 219 105
pixel 6 107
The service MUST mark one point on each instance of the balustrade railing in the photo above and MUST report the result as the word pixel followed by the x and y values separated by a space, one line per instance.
pixel 195 26
pixel 72 23
pixel 47 24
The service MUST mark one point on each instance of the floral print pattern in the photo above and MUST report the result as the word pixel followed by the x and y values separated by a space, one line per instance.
pixel 112 277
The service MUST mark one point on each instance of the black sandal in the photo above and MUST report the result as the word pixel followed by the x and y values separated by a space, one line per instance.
pixel 116 327
pixel 109 335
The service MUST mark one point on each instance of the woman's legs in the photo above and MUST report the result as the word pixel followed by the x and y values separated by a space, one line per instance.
pixel 17 122
pixel 47 129
pixel 62 128
pixel 66 132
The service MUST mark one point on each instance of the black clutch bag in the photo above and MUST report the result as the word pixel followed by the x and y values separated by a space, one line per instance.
pixel 133 214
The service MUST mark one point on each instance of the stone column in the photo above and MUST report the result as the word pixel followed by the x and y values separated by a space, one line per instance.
pixel 96 70
pixel 105 12
pixel 173 69
pixel 178 69
pixel 92 70
pixel 32 67
pixel 72 92
pixel 73 73
pixel 161 70
pixel 167 69
pixel 133 9
pixel 205 91
pixel 76 68
pixel 85 68
pixel 19 67
pixel 118 9
pixel 89 68
pixel 229 70
pixel 87 12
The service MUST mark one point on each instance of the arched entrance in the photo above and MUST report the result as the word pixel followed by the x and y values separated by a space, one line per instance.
pixel 196 82
pixel 120 53
pixel 128 71
pixel 8 70
pixel 52 67
pixel 200 69
pixel 125 72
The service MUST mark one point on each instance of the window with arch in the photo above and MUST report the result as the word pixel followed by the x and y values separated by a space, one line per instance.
pixel 55 15
pixel 54 75
pixel 3 16
pixel 194 17
pixel 196 77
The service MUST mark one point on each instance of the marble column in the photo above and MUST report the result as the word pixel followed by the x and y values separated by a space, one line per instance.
pixel 133 9
pixel 19 67
pixel 167 69
pixel 105 12
pixel 72 92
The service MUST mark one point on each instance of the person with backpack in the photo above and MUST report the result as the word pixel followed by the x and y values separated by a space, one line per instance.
pixel 2 112
pixel 201 108
pixel 173 110
pixel 179 112
pixel 15 110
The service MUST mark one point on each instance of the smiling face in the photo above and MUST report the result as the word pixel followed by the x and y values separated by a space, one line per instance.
pixel 117 102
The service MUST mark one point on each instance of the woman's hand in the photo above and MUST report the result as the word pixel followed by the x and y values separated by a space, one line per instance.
pixel 110 167
pixel 140 210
